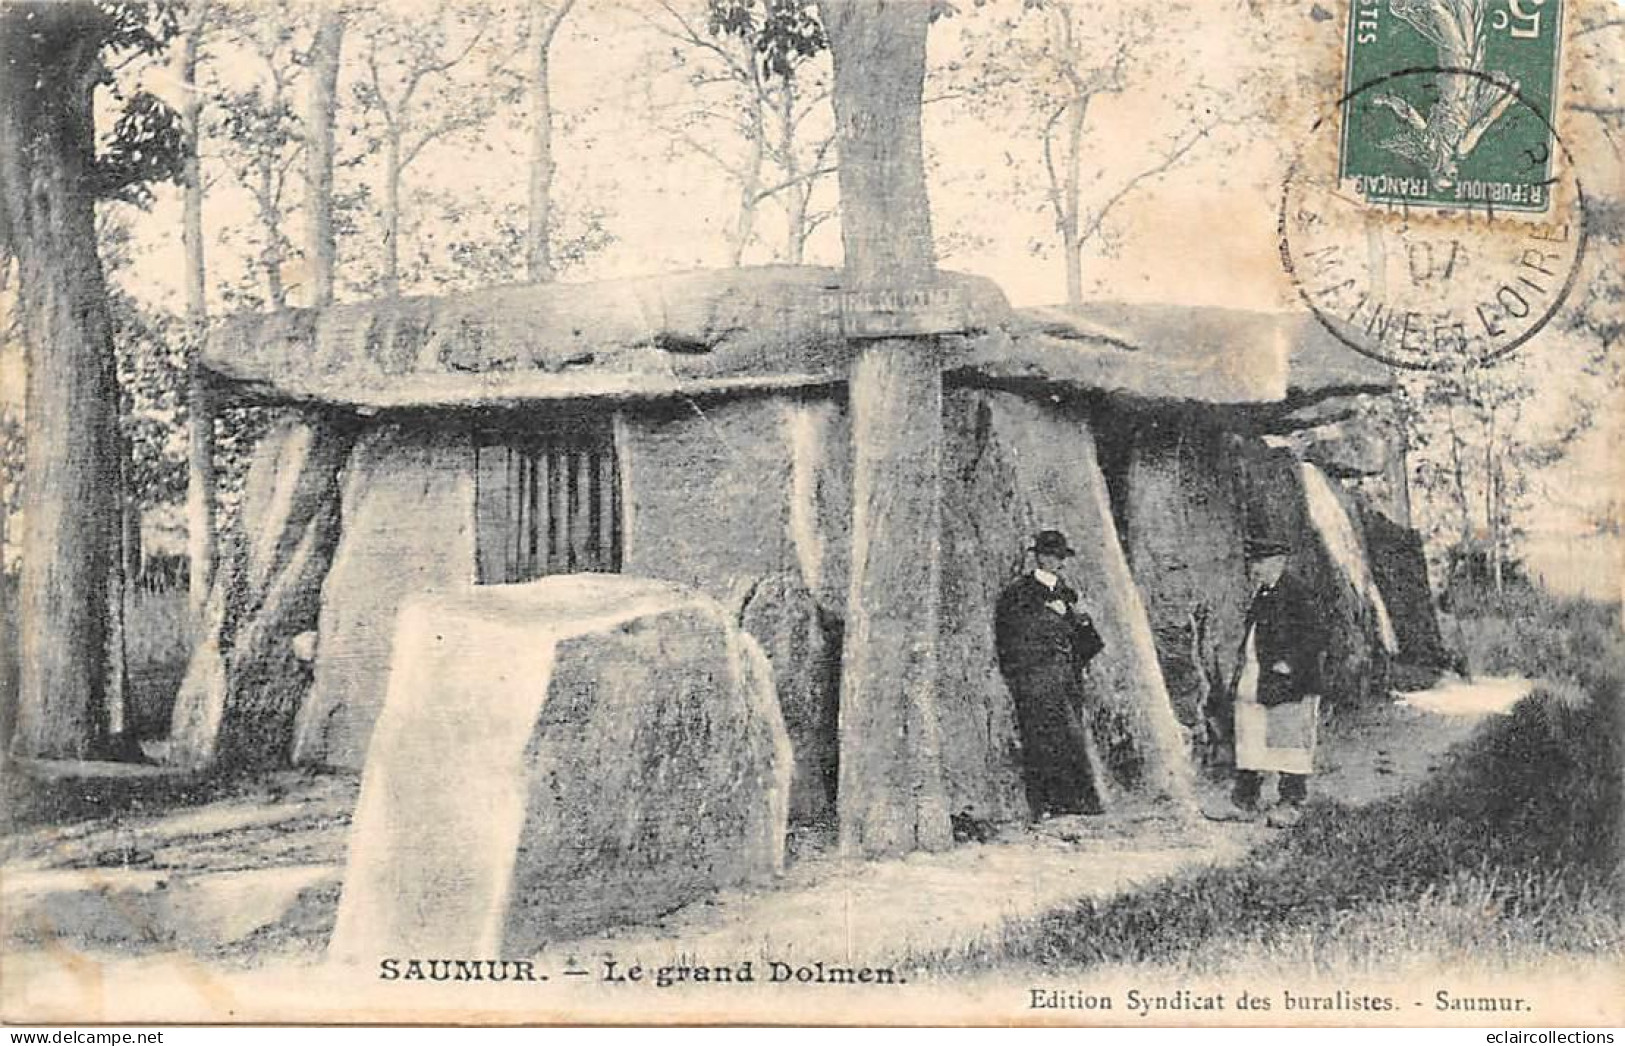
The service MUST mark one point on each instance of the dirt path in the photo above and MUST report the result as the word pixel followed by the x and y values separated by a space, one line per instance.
pixel 893 911
pixel 213 865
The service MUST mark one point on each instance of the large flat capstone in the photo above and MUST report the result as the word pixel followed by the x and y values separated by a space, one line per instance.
pixel 556 757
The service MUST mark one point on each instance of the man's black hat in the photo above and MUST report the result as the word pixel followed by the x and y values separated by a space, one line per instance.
pixel 1051 543
pixel 1265 548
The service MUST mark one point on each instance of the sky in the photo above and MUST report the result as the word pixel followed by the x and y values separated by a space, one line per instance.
pixel 1207 228
pixel 1203 234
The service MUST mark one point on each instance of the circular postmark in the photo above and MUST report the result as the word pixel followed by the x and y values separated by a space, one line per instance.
pixel 1409 251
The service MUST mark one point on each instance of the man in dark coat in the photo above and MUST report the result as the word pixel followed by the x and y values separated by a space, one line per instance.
pixel 1277 688
pixel 1044 643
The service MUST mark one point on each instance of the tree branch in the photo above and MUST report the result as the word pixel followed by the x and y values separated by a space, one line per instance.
pixel 1594 27
pixel 1056 198
pixel 727 165
pixel 808 176
pixel 441 130
pixel 378 86
pixel 1097 217
pixel 687 34
pixel 550 25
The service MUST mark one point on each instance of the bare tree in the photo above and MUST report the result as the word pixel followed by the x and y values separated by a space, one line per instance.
pixel 546 19
pixel 407 83
pixel 200 479
pixel 757 109
pixel 1045 68
pixel 261 132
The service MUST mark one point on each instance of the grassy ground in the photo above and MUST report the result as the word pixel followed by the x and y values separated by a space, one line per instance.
pixel 1511 852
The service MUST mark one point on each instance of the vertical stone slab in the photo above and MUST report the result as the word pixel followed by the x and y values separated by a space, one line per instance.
pixel 1184 543
pixel 985 526
pixel 1054 480
pixel 408 512
pixel 1293 500
pixel 238 701
pixel 1364 642
pixel 708 493
pixel 555 758
pixel 782 615
pixel 820 444
pixel 1400 568
pixel 758 516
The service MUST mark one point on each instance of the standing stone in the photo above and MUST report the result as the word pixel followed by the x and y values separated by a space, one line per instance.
pixel 782 615
pixel 408 511
pixel 709 503
pixel 558 757
pixel 1292 500
pixel 244 684
pixel 1400 568
pixel 1018 467
pixel 1184 541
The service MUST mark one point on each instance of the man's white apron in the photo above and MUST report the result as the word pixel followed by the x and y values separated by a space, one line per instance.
pixel 1280 738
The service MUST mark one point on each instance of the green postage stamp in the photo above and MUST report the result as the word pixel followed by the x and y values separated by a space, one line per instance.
pixel 1450 103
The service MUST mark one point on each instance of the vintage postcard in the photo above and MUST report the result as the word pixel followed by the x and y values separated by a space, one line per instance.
pixel 900 512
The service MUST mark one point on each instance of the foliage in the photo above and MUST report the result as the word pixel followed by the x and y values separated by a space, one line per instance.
pixel 11 487
pixel 1481 437
pixel 151 353
pixel 158 629
pixel 1597 69
pixel 144 148
pixel 144 145
pixel 462 241
pixel 425 79
pixel 783 33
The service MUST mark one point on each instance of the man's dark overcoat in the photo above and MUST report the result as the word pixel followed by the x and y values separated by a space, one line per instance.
pixel 1042 655
pixel 1290 631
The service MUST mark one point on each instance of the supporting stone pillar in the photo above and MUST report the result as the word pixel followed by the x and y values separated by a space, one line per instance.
pixel 890 797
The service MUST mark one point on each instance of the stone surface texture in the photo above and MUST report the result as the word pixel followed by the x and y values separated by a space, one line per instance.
pixel 245 682
pixel 408 512
pixel 557 757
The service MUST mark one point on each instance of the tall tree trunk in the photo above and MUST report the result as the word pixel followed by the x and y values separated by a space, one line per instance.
pixel 392 214
pixel 48 70
pixel 1073 246
pixel 539 236
pixel 1492 503
pixel 891 793
pixel 200 474
pixel 797 231
pixel 192 178
pixel 750 191
pixel 797 194
pixel 750 176
pixel 271 258
pixel 321 104
pixel 1074 269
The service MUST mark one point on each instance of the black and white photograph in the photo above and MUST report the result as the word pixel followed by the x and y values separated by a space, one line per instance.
pixel 1083 513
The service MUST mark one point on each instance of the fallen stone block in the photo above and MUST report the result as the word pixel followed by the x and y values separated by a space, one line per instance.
pixel 557 757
